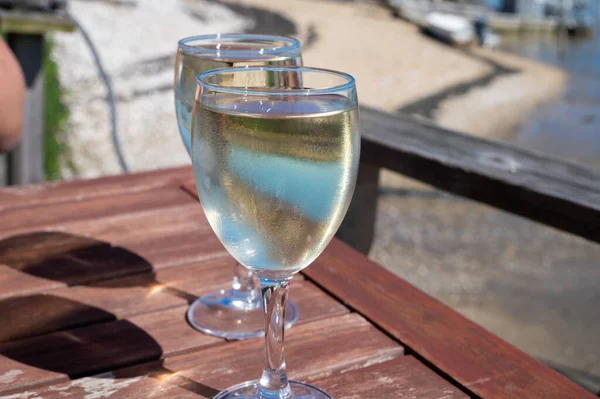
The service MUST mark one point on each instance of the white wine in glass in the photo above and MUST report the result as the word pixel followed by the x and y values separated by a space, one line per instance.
pixel 283 171
pixel 275 154
pixel 235 313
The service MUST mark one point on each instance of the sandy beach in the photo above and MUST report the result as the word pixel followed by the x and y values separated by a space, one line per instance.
pixel 496 109
pixel 398 69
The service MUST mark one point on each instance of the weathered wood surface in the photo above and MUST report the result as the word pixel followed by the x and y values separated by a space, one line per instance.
pixel 314 349
pixel 105 346
pixel 104 262
pixel 400 377
pixel 384 380
pixel 541 188
pixel 100 347
pixel 88 291
pixel 26 270
pixel 40 251
pixel 470 355
pixel 79 190
pixel 26 218
pixel 53 358
pixel 32 22
pixel 68 308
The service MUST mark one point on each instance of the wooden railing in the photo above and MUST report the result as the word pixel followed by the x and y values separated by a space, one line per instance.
pixel 539 187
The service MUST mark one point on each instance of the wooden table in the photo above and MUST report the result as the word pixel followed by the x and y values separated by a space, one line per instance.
pixel 96 276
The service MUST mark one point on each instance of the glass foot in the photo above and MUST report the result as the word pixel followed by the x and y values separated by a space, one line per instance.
pixel 248 390
pixel 222 315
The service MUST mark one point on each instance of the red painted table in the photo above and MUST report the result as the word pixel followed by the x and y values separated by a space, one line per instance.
pixel 96 276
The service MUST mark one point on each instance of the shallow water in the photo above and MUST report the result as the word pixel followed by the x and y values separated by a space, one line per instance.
pixel 570 126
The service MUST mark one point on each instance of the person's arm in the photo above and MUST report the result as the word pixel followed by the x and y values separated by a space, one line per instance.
pixel 12 98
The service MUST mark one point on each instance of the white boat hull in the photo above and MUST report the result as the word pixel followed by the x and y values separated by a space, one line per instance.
pixel 450 28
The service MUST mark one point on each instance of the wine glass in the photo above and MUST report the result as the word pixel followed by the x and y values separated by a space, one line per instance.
pixel 235 313
pixel 275 153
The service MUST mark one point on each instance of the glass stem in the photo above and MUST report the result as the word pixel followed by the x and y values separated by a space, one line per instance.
pixel 245 286
pixel 273 382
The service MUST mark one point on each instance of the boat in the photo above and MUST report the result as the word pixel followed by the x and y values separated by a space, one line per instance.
pixel 449 28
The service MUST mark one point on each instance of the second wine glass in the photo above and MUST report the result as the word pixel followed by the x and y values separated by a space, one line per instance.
pixel 235 313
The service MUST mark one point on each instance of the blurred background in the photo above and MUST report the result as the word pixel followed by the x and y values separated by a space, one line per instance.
pixel 520 71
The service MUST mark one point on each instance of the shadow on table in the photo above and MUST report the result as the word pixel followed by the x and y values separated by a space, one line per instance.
pixel 38 314
pixel 81 351
pixel 78 339
pixel 73 260
pixel 79 260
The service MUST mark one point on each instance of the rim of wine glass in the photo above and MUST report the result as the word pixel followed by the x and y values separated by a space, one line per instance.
pixel 348 85
pixel 293 44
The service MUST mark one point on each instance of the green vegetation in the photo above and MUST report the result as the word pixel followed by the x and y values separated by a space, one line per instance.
pixel 56 114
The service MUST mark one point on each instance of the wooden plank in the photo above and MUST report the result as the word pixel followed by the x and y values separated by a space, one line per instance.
pixel 209 247
pixel 541 188
pixel 134 225
pixel 473 357
pixel 401 377
pixel 77 190
pixel 151 220
pixel 35 22
pixel 398 378
pixel 26 274
pixel 101 263
pixel 41 314
pixel 42 215
pixel 146 231
pixel 130 244
pixel 142 232
pixel 313 349
pixel 50 359
pixel 68 258
pixel 72 307
pixel 163 385
pixel 108 300
pixel 56 357
pixel 115 387
pixel 149 226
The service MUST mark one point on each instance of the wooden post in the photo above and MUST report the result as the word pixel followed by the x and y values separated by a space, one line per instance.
pixel 358 227
pixel 3 176
pixel 25 162
pixel 25 29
